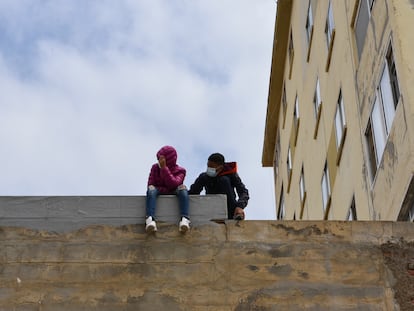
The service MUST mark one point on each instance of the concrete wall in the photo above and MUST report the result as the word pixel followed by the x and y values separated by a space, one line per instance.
pixel 66 213
pixel 92 253
pixel 241 266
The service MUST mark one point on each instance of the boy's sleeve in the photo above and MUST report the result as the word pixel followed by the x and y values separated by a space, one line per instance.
pixel 197 186
pixel 242 191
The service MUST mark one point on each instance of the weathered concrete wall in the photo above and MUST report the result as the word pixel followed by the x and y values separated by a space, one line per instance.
pixel 66 213
pixel 247 265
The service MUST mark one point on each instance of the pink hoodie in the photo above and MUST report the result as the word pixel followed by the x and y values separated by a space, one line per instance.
pixel 167 180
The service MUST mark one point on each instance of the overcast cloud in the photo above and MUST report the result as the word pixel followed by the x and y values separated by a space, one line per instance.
pixel 91 89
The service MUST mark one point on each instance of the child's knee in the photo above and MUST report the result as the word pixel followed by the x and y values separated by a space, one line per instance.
pixel 181 187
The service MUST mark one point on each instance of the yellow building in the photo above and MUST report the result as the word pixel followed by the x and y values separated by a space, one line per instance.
pixel 340 117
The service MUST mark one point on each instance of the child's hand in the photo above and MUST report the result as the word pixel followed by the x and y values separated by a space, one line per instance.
pixel 161 161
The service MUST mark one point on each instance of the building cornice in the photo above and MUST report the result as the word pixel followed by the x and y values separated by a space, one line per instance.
pixel 280 44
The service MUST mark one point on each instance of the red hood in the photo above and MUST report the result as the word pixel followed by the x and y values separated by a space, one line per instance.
pixel 229 168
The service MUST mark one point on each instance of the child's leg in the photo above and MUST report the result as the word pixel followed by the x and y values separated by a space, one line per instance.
pixel 151 201
pixel 183 200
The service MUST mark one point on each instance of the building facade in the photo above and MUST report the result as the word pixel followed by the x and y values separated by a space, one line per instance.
pixel 339 128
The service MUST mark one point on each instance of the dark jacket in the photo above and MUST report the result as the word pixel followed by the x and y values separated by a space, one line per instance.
pixel 212 185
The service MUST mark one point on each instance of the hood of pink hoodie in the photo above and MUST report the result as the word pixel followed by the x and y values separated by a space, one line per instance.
pixel 170 155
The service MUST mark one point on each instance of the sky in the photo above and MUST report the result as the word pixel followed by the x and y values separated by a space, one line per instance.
pixel 90 90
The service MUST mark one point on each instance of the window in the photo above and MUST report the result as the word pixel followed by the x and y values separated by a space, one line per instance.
pixel 340 123
pixel 371 4
pixel 326 189
pixel 360 23
pixel 317 106
pixel 281 209
pixel 296 110
pixel 309 22
pixel 302 188
pixel 411 214
pixel 392 72
pixel 330 26
pixel 385 99
pixel 289 163
pixel 407 206
pixel 277 154
pixel 330 34
pixel 352 211
pixel 376 136
pixel 317 98
pixel 309 27
pixel 291 54
pixel 284 104
pixel 383 112
pixel 369 136
pixel 379 129
pixel 296 118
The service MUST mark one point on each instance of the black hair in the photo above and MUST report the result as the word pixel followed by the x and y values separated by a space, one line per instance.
pixel 217 158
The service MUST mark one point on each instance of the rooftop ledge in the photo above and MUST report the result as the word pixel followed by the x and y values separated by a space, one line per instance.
pixel 68 213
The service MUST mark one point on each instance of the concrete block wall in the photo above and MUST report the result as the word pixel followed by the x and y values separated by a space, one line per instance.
pixel 67 213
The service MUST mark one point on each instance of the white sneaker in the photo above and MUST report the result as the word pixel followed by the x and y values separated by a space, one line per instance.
pixel 150 224
pixel 184 225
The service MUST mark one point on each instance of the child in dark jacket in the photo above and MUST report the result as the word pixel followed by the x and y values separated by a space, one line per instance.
pixel 166 177
pixel 222 178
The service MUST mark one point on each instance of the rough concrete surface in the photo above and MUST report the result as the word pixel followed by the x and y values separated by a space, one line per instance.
pixel 246 265
pixel 399 258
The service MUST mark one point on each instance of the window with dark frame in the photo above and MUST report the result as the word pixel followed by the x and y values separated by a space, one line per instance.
pixel 296 117
pixel 361 24
pixel 352 215
pixel 289 164
pixel 325 187
pixel 361 21
pixel 281 209
pixel 277 153
pixel 317 107
pixel 309 22
pixel 407 206
pixel 330 25
pixel 291 54
pixel 340 122
pixel 411 214
pixel 302 187
pixel 284 104
pixel 393 76
pixel 317 98
pixel 383 112
pixel 379 131
pixel 371 149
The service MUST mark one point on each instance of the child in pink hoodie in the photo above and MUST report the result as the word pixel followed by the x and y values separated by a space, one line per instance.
pixel 166 177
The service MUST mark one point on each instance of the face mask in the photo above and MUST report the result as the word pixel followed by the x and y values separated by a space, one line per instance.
pixel 211 171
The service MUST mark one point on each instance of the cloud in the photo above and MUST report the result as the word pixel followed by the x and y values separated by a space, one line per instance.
pixel 92 89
